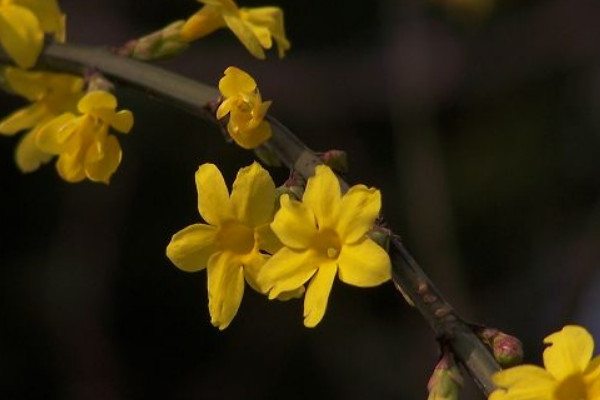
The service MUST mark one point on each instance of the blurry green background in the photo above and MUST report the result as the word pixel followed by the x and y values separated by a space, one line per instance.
pixel 482 132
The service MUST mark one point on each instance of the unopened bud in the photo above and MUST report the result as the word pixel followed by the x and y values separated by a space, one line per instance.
pixel 446 380
pixel 164 43
pixel 337 160
pixel 507 349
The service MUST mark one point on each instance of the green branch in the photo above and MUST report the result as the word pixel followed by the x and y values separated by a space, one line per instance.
pixel 195 97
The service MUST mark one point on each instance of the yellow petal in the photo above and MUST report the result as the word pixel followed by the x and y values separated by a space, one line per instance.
pixel 225 107
pixel 54 136
pixel 253 138
pixel 253 196
pixel 317 295
pixel 225 288
pixel 272 18
pixel 253 263
pixel 267 240
pixel 323 196
pixel 364 264
pixel 213 197
pixel 20 34
pixel 245 34
pixel 122 121
pixel 191 247
pixel 525 382
pixel 25 118
pixel 102 159
pixel 28 156
pixel 570 351
pixel 70 166
pixel 47 12
pixel 235 82
pixel 294 224
pixel 31 85
pixel 227 5
pixel 96 99
pixel 286 270
pixel 204 22
pixel 263 35
pixel 292 294
pixel 357 212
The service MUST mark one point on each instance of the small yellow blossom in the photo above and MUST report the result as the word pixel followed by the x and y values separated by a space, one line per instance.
pixel 84 147
pixel 51 95
pixel 245 107
pixel 570 372
pixel 254 27
pixel 229 245
pixel 323 235
pixel 22 27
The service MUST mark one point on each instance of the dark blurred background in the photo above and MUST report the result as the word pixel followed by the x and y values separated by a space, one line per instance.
pixel 480 124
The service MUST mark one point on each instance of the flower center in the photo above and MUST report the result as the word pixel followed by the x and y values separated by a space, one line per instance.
pixel 327 243
pixel 572 388
pixel 236 237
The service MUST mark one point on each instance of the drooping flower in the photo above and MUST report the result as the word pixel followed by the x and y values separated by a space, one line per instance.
pixel 323 235
pixel 51 94
pixel 229 245
pixel 256 28
pixel 22 27
pixel 570 373
pixel 84 147
pixel 243 103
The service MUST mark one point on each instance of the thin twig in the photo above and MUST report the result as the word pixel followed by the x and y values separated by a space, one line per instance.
pixel 193 96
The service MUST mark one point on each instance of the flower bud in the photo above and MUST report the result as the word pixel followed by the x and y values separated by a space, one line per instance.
pixel 446 380
pixel 507 349
pixel 337 160
pixel 164 43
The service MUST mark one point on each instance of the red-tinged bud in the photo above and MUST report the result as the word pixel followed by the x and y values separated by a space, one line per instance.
pixel 337 160
pixel 164 43
pixel 507 349
pixel 446 380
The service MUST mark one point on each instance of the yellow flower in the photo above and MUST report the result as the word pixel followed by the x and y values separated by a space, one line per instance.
pixel 323 235
pixel 570 372
pixel 51 95
pixel 254 27
pixel 245 107
pixel 22 27
pixel 82 142
pixel 229 245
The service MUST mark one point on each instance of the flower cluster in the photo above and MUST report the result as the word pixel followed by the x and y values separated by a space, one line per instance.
pixel 23 24
pixel 570 373
pixel 310 240
pixel 243 103
pixel 256 28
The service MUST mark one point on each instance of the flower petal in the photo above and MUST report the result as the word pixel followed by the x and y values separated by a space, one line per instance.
pixel 31 85
pixel 250 139
pixel 267 240
pixel 204 22
pixel 272 18
pixel 364 264
pixel 28 156
pixel 323 196
pixel 191 247
pixel 225 288
pixel 225 107
pixel 570 351
pixel 294 224
pixel 122 121
pixel 96 99
pixel 55 135
pixel 245 34
pixel 235 82
pixel 253 196
pixel 357 212
pixel 20 34
pixel 70 166
pixel 47 12
pixel 525 382
pixel 102 159
pixel 213 197
pixel 25 118
pixel 286 270
pixel 317 294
